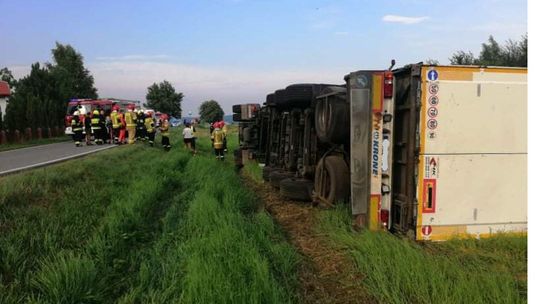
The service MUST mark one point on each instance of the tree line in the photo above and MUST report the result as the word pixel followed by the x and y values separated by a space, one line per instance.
pixel 510 54
pixel 40 98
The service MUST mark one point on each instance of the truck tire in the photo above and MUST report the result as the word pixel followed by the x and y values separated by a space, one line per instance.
pixel 296 189
pixel 332 180
pixel 298 95
pixel 237 109
pixel 332 121
pixel 270 100
pixel 277 176
pixel 266 172
pixel 279 99
pixel 246 133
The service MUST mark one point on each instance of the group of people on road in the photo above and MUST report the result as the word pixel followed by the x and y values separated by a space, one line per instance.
pixel 112 129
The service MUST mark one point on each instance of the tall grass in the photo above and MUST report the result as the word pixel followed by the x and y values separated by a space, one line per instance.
pixel 45 211
pixel 216 247
pixel 401 271
pixel 182 229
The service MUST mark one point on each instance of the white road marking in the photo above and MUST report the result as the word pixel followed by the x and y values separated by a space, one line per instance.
pixel 54 161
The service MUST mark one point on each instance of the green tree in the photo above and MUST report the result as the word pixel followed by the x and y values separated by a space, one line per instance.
pixel 73 79
pixel 210 111
pixel 463 58
pixel 40 98
pixel 430 61
pixel 163 97
pixel 33 103
pixel 512 54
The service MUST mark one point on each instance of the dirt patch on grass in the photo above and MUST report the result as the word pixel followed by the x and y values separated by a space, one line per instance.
pixel 326 273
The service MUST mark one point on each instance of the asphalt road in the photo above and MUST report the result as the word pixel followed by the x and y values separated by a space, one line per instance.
pixel 38 156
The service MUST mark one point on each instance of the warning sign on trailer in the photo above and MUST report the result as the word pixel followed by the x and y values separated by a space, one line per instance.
pixel 433 88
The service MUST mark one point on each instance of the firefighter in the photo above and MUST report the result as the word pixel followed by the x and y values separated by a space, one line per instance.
pixel 77 128
pixel 115 121
pixel 141 128
pixel 150 129
pixel 103 133
pixel 96 128
pixel 194 139
pixel 122 133
pixel 88 128
pixel 131 123
pixel 223 127
pixel 218 137
pixel 164 129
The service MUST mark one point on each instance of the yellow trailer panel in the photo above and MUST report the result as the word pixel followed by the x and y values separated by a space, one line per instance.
pixel 472 169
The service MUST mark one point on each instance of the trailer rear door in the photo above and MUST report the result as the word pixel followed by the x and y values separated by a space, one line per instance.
pixel 407 91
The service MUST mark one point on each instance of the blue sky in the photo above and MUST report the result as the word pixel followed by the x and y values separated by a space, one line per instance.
pixel 237 51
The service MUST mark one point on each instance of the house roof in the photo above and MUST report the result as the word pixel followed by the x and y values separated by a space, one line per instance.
pixel 4 89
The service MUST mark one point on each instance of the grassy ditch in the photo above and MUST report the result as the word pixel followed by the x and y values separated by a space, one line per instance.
pixel 458 271
pixel 139 225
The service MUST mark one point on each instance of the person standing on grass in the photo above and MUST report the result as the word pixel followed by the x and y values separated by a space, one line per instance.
pixel 188 137
pixel 150 129
pixel 141 129
pixel 218 137
pixel 164 128
pixel 194 139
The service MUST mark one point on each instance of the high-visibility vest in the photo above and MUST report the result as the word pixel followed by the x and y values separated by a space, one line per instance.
pixel 218 136
pixel 76 125
pixel 95 123
pixel 149 123
pixel 130 119
pixel 115 120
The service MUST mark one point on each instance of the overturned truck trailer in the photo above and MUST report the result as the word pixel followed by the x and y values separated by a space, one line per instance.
pixel 432 152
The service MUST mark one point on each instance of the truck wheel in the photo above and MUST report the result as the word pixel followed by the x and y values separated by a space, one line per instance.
pixel 296 189
pixel 246 133
pixel 332 181
pixel 237 109
pixel 266 172
pixel 332 121
pixel 277 176
pixel 299 95
pixel 270 100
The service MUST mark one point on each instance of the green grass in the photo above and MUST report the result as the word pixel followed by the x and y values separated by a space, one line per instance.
pixel 140 225
pixel 253 171
pixel 459 271
pixel 34 142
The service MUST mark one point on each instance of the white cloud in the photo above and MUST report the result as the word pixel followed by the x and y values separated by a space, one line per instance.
pixel 134 58
pixel 227 85
pixel 403 19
